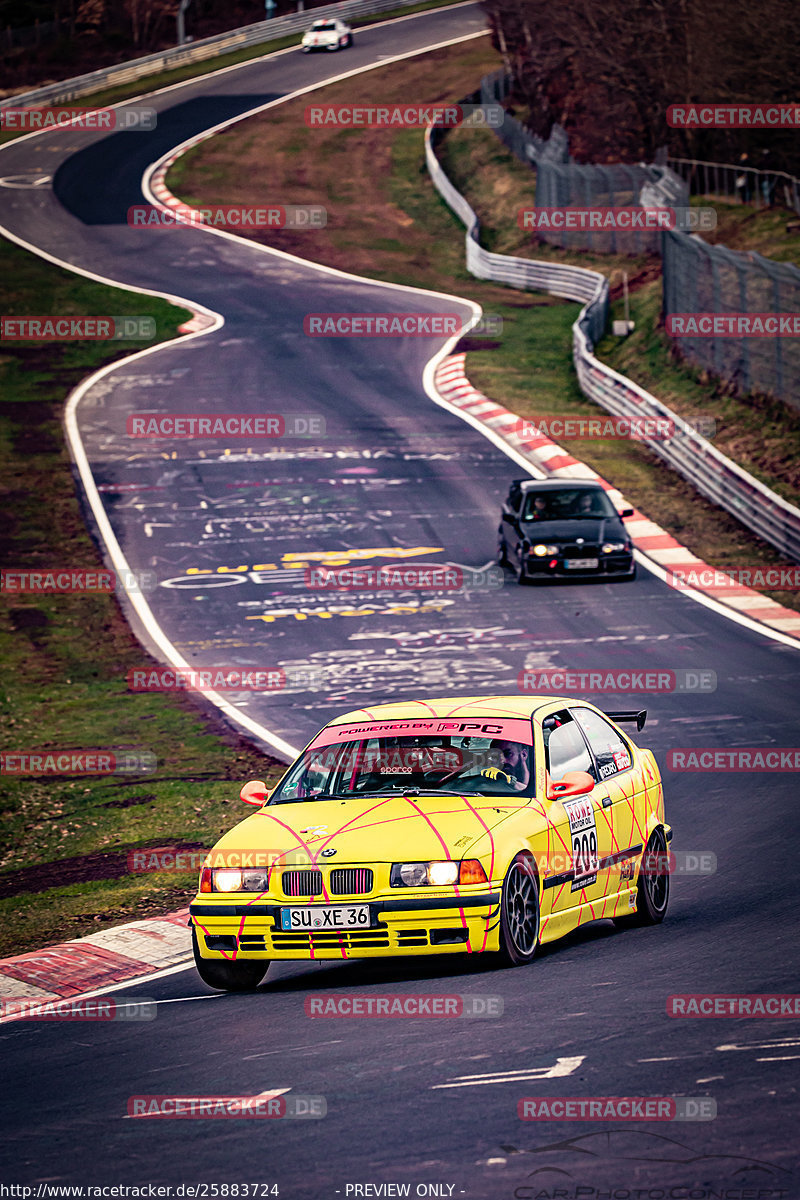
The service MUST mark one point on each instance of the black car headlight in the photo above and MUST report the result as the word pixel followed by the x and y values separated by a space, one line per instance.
pixel 540 550
pixel 612 547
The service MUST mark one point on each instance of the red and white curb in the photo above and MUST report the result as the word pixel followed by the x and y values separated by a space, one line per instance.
pixel 188 216
pixel 126 952
pixel 648 537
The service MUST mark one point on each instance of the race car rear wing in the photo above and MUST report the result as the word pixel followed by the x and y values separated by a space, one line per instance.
pixel 629 717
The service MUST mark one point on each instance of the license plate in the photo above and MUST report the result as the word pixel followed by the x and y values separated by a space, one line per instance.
pixel 318 919
pixel 581 564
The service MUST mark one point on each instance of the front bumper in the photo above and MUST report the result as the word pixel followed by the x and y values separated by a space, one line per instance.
pixel 609 566
pixel 399 925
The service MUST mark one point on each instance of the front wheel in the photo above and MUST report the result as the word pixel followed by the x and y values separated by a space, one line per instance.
pixel 349 41
pixel 228 976
pixel 652 889
pixel 519 913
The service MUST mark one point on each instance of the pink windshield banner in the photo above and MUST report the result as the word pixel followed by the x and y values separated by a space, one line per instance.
pixel 512 729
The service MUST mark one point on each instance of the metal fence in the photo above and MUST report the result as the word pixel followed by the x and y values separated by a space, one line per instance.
pixel 615 185
pixel 699 278
pixel 561 183
pixel 716 477
pixel 523 143
pixel 223 43
pixel 740 184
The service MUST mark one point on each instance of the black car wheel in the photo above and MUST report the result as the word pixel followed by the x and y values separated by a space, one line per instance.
pixel 519 913
pixel 519 568
pixel 652 889
pixel 502 550
pixel 228 976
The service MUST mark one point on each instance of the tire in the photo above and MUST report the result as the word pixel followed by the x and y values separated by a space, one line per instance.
pixel 228 976
pixel 652 889
pixel 519 913
pixel 522 578
pixel 502 550
pixel 349 41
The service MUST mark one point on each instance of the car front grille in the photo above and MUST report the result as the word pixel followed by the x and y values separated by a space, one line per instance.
pixel 351 881
pixel 302 883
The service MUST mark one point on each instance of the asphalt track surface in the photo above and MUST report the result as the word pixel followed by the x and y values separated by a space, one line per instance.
pixel 395 471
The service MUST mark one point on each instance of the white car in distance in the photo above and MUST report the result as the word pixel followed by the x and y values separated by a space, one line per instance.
pixel 327 35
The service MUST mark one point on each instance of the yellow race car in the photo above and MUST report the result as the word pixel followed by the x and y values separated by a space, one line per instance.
pixel 491 824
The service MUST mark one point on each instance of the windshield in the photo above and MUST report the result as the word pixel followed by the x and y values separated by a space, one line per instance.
pixel 490 766
pixel 567 504
pixel 323 25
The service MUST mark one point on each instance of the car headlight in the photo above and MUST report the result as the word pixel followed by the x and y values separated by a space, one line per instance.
pixel 610 547
pixel 231 879
pixel 541 550
pixel 436 874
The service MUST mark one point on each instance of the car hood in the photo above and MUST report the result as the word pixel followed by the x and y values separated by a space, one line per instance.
pixel 591 529
pixel 370 830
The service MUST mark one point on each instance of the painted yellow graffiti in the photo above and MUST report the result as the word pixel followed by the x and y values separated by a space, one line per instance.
pixel 364 610
pixel 328 558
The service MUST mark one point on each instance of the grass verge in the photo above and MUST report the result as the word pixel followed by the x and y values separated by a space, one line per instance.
pixel 63 866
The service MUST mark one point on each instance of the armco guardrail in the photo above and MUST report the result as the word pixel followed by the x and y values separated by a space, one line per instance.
pixel 713 474
pixel 222 43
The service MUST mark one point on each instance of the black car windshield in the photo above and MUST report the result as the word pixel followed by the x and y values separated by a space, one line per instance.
pixel 567 504
pixel 385 765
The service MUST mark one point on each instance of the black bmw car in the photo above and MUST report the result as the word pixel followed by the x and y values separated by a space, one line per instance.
pixel 560 529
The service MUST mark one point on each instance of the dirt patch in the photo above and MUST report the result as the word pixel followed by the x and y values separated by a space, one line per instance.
pixel 84 868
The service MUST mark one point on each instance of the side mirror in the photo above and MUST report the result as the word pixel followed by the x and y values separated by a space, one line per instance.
pixel 254 792
pixel 626 512
pixel 574 783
